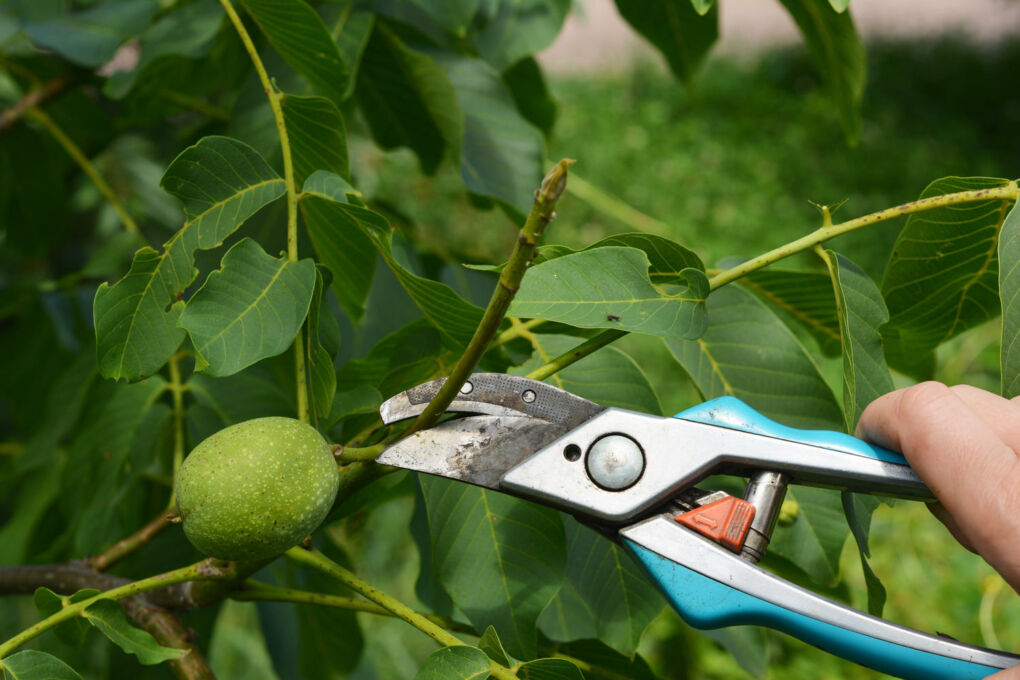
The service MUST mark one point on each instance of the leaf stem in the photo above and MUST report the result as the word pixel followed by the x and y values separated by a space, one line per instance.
pixel 33 99
pixel 543 211
pixel 292 196
pixel 177 393
pixel 200 571
pixel 37 114
pixel 614 207
pixel 316 560
pixel 518 330
pixel 255 591
pixel 826 232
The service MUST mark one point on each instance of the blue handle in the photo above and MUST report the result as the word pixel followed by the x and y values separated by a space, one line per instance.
pixel 736 415
pixel 706 603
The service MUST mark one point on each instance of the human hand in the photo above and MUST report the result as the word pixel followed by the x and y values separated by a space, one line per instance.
pixel 964 443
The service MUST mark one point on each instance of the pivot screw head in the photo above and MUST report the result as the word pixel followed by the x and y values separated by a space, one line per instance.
pixel 615 462
pixel 466 388
pixel 528 396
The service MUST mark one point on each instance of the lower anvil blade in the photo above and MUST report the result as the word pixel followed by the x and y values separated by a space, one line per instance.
pixel 477 449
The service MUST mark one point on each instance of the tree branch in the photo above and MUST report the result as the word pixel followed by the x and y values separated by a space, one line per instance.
pixel 16 111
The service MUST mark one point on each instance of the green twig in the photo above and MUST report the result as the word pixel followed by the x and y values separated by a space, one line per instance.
pixel 321 563
pixel 543 210
pixel 263 592
pixel 614 207
pixel 33 99
pixel 128 545
pixel 1010 192
pixel 177 393
pixel 292 196
pixel 37 114
pixel 200 571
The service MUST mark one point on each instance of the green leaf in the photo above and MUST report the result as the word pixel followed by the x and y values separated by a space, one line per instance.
pixel 1009 293
pixel 250 309
pixel 804 296
pixel 747 352
pixel 108 617
pixel 839 5
pixel 568 617
pixel 454 317
pixel 609 377
pixel 943 275
pixel 502 153
pixel 321 372
pixel 858 509
pixel 682 33
pixel 600 656
pixel 345 249
pixel 90 37
pixel 36 493
pixel 455 663
pixel 609 287
pixel 861 312
pixel 404 358
pixel 518 29
pixel 702 6
pixel 317 134
pixel 222 183
pixel 355 26
pixel 73 631
pixel 453 15
pixel 620 597
pixel 526 85
pixel 550 669
pixel 815 540
pixel 500 559
pixel 237 648
pixel 33 665
pixel 493 648
pixel 299 36
pixel 747 644
pixel 216 405
pixel 838 54
pixel 407 100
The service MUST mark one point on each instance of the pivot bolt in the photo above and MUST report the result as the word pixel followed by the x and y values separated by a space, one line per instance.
pixel 615 462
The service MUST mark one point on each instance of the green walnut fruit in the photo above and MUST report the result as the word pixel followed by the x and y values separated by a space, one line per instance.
pixel 255 489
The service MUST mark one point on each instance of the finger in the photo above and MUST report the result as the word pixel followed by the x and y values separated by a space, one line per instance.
pixel 1001 415
pixel 940 512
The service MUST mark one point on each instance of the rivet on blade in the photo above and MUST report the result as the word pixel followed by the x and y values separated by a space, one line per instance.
pixel 528 396
pixel 466 388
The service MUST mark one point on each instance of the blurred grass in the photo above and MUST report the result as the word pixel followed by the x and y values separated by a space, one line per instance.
pixel 730 167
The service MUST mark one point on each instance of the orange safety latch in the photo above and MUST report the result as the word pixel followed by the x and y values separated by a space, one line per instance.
pixel 725 521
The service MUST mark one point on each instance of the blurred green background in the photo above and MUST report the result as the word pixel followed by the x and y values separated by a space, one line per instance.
pixel 730 168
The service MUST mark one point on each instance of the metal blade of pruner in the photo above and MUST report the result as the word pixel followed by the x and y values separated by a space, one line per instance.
pixel 515 418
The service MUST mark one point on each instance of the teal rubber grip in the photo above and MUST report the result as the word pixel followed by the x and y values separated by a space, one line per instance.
pixel 734 414
pixel 706 603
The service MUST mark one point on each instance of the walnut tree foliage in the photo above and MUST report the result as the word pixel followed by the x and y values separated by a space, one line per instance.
pixel 184 246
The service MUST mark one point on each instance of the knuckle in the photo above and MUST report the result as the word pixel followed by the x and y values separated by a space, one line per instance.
pixel 924 398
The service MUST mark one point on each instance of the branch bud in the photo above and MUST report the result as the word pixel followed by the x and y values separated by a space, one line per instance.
pixel 555 183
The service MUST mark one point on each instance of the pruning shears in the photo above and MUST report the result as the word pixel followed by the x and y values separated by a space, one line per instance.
pixel 632 476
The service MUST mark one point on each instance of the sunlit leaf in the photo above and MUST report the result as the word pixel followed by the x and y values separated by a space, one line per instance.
pixel 455 663
pixel 682 33
pixel 609 287
pixel 33 665
pixel 317 134
pixel 407 100
pixel 747 352
pixel 109 617
pixel 502 153
pixel 249 309
pixel 237 647
pixel 90 37
pixel 568 617
pixel 805 296
pixel 814 541
pixel 298 34
pixel 943 275
pixel 702 6
pixel 1009 292
pixel 500 559
pixel 838 54
pixel 839 5
pixel 221 182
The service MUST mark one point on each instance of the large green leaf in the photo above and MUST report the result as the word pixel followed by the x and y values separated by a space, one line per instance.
pixel 814 541
pixel 222 182
pixel 550 669
pixel 322 348
pixel 609 377
pixel 1009 293
pixel 518 29
pixel 805 296
pixel 317 135
pixel 455 663
pixel 861 312
pixel 406 357
pixel 502 153
pixel 942 277
pixel 407 100
pixel 72 631
pixel 216 405
pixel 33 665
pixel 609 287
pixel 747 352
pixel 622 600
pixel 109 617
pixel 681 33
pixel 327 195
pixel 249 309
pixel 838 54
pixel 300 37
pixel 500 559
pixel 526 84
pixel 90 37
pixel 237 648
pixel 453 15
